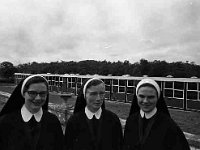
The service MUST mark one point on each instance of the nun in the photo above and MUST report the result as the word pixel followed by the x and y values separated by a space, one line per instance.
pixel 149 125
pixel 92 127
pixel 25 123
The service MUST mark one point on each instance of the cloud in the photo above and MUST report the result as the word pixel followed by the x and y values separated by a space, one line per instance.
pixel 51 30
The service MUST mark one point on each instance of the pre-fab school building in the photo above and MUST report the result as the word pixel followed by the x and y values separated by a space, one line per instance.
pixel 180 93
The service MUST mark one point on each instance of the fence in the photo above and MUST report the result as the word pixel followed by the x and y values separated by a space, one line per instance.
pixel 181 93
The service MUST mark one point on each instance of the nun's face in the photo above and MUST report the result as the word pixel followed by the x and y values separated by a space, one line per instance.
pixel 35 97
pixel 95 97
pixel 147 98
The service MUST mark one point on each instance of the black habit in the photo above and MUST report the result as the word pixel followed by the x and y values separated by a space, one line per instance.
pixel 79 134
pixel 160 133
pixel 15 134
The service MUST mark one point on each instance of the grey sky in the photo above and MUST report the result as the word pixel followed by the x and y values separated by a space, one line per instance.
pixel 112 30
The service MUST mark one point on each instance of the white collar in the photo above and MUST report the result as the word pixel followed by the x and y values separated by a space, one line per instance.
pixel 90 114
pixel 26 114
pixel 148 115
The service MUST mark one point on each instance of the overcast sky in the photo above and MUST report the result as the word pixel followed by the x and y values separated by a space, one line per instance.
pixel 112 30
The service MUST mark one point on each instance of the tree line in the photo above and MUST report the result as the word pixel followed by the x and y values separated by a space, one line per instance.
pixel 154 68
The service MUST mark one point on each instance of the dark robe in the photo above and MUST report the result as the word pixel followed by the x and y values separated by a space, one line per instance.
pixel 161 133
pixel 15 134
pixel 79 135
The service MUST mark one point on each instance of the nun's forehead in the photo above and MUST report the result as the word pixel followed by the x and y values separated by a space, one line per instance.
pixel 94 83
pixel 148 82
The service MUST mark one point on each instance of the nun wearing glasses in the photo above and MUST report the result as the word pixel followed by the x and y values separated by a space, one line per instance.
pixel 25 123
pixel 149 125
pixel 92 127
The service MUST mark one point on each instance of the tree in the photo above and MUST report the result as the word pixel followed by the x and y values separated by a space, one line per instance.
pixel 144 67
pixel 7 69
pixel 159 69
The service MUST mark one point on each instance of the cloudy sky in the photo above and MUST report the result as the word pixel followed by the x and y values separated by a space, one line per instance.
pixel 112 30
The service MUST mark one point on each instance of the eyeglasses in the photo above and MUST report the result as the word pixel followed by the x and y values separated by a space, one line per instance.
pixel 33 94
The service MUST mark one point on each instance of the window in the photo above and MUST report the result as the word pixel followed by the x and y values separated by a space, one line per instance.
pixel 179 85
pixel 168 84
pixel 192 86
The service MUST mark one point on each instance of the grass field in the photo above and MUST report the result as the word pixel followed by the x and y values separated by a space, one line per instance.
pixel 188 121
